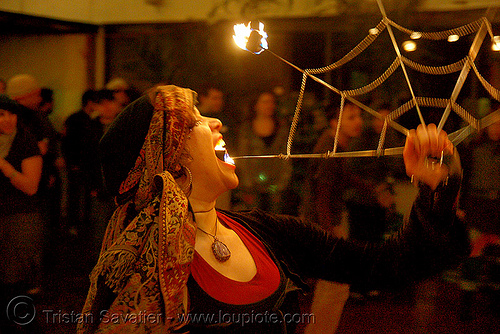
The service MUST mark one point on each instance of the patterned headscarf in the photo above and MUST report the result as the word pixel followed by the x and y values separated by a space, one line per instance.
pixel 149 243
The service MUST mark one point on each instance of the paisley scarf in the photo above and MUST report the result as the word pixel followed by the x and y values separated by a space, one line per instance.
pixel 149 243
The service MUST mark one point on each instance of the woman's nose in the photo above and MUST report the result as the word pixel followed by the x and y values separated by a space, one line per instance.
pixel 215 124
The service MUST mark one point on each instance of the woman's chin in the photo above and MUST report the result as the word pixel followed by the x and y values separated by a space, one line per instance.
pixel 232 183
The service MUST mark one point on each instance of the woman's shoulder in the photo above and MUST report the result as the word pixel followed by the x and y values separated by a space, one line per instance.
pixel 259 219
pixel 243 214
pixel 250 213
pixel 24 136
pixel 24 145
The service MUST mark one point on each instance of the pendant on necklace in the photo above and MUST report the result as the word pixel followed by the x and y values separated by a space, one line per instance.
pixel 220 250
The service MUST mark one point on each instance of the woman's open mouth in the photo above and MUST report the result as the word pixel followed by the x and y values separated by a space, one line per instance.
pixel 221 152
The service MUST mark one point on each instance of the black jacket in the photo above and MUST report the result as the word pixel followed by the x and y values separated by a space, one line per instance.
pixel 431 240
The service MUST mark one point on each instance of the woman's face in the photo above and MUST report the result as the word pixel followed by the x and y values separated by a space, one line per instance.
pixel 377 123
pixel 8 122
pixel 266 105
pixel 211 176
pixel 352 122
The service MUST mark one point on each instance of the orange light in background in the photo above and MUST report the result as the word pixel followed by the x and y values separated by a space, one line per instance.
pixel 416 35
pixel 495 46
pixel 409 46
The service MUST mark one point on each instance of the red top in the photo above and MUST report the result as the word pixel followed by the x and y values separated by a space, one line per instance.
pixel 229 291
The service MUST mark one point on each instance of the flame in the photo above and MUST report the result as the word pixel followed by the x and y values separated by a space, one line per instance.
pixel 221 147
pixel 243 34
pixel 228 159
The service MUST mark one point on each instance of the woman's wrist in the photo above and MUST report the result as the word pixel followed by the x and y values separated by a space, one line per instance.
pixel 12 174
pixel 437 171
pixel 7 169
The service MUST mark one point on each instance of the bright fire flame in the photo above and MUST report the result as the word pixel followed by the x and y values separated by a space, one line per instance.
pixel 242 34
pixel 221 146
pixel 228 159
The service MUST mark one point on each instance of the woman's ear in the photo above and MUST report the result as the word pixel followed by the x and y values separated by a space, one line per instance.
pixel 177 171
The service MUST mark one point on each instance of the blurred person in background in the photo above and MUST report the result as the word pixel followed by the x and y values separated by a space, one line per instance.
pixel 480 208
pixel 384 167
pixel 262 181
pixel 120 89
pixel 312 123
pixel 376 218
pixel 329 185
pixel 481 199
pixel 47 104
pixel 210 100
pixel 57 164
pixel 26 90
pixel 102 204
pixel 21 222
pixel 78 145
pixel 373 220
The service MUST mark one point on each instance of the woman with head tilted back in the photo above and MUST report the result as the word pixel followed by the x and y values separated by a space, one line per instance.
pixel 171 262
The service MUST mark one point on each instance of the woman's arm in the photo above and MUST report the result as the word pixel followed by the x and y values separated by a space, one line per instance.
pixel 431 239
pixel 28 178
pixel 43 145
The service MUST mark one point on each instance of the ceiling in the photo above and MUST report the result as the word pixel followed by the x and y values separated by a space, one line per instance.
pixel 20 24
pixel 60 17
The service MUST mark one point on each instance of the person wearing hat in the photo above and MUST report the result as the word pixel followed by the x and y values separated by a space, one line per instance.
pixel 120 90
pixel 21 224
pixel 25 90
pixel 171 262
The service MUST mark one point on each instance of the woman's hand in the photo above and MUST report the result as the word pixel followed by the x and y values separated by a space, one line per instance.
pixel 425 149
pixel 28 179
pixel 5 167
